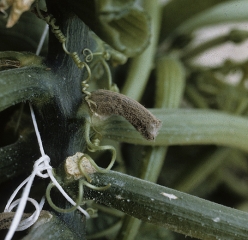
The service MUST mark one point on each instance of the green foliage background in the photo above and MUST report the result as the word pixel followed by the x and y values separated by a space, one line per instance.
pixel 201 148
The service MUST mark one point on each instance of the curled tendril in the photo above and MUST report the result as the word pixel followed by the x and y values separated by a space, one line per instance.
pixel 74 55
pixel 61 210
pixel 86 175
pixel 50 20
pixel 109 76
pixel 95 147
pixel 105 56
pixel 89 55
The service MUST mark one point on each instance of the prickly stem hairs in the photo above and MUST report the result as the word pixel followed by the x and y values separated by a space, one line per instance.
pixel 105 103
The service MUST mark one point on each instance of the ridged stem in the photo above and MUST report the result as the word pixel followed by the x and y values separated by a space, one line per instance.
pixel 185 127
pixel 169 90
pixel 166 207
pixel 22 84
pixel 141 66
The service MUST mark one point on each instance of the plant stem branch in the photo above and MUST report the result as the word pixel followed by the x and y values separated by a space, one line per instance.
pixel 166 207
pixel 25 83
pixel 141 66
pixel 170 84
pixel 185 127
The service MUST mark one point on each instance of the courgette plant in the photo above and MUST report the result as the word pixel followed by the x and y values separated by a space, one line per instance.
pixel 146 51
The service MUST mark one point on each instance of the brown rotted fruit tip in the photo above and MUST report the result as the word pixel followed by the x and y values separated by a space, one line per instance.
pixel 152 129
pixel 108 103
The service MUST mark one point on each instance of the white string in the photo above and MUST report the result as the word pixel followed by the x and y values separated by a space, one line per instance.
pixel 16 225
pixel 40 165
pixel 49 168
pixel 42 40
pixel 24 224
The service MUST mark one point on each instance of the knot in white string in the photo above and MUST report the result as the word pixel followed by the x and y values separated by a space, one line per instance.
pixel 40 165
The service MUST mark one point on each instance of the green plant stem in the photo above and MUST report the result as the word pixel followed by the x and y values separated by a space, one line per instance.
pixel 141 66
pixel 11 157
pixel 187 9
pixel 22 84
pixel 185 127
pixel 52 226
pixel 170 83
pixel 236 36
pixel 151 168
pixel 106 232
pixel 229 11
pixel 234 182
pixel 195 97
pixel 23 58
pixel 203 47
pixel 198 174
pixel 138 75
pixel 242 107
pixel 169 90
pixel 166 207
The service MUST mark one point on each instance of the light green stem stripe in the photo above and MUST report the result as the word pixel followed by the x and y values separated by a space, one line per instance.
pixel 185 127
pixel 141 66
pixel 170 82
pixel 172 209
pixel 134 87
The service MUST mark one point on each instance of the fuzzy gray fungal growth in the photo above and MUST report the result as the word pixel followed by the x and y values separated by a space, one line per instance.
pixel 106 103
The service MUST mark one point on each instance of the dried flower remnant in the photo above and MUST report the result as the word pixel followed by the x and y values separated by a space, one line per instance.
pixel 18 7
pixel 104 103
pixel 72 166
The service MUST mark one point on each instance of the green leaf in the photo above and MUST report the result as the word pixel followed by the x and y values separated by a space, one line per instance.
pixel 12 156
